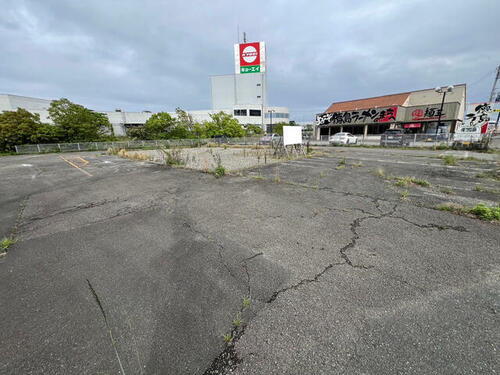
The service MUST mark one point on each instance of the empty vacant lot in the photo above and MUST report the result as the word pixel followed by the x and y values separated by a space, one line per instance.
pixel 327 265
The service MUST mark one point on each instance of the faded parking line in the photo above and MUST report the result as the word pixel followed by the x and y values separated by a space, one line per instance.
pixel 76 166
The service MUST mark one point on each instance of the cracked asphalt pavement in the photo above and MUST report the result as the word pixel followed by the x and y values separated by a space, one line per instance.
pixel 345 275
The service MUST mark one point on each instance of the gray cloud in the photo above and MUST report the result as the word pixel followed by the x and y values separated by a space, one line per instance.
pixel 157 55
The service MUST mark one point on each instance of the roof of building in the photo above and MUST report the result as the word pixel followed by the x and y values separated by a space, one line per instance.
pixel 377 101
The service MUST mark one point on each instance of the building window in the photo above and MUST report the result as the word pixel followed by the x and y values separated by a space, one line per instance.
pixel 277 115
pixel 258 84
pixel 240 112
pixel 255 112
pixel 258 96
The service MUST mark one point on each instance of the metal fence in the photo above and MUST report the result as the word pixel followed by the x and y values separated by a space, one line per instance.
pixel 135 144
pixel 415 140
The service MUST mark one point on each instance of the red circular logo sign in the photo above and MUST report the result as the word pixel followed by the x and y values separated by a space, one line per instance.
pixel 249 54
pixel 418 113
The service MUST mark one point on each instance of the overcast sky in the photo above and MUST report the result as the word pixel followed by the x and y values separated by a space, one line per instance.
pixel 157 55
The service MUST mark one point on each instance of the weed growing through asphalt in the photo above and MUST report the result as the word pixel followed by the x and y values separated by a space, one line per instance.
pixel 486 213
pixel 408 181
pixel 238 321
pixel 342 162
pixel 446 190
pixel 322 174
pixel 405 194
pixel 228 337
pixel 219 170
pixel 357 165
pixel 480 211
pixel 449 160
pixel 246 302
pixel 6 243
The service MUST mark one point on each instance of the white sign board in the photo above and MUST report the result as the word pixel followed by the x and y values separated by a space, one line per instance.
pixel 475 123
pixel 292 135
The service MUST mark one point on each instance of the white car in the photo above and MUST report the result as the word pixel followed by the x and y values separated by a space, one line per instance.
pixel 343 139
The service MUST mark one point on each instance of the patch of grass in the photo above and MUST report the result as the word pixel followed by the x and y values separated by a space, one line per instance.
pixel 357 165
pixel 446 190
pixel 341 162
pixel 5 243
pixel 408 181
pixel 259 177
pixel 340 167
pixel 449 160
pixel 322 174
pixel 480 210
pixel 228 337
pixel 485 213
pixel 404 194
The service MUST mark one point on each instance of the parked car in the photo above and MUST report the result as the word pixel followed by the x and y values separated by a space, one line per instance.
pixel 394 137
pixel 343 139
pixel 269 139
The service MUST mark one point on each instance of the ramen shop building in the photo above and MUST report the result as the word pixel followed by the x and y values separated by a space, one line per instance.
pixel 415 112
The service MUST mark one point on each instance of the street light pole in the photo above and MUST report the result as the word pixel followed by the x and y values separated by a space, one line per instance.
pixel 271 118
pixel 442 90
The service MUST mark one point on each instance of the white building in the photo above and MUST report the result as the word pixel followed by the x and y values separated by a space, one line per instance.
pixel 243 96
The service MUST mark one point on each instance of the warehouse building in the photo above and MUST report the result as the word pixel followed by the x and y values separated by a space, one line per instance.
pixel 415 111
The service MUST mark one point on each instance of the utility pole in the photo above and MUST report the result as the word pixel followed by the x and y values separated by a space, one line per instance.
pixel 495 92
pixel 244 37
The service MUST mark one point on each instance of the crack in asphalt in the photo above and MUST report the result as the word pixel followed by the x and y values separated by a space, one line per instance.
pixel 303 281
pixel 219 246
pixel 78 207
pixel 432 225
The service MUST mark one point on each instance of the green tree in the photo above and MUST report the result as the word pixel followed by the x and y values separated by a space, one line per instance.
pixel 78 123
pixel 278 128
pixel 223 124
pixel 199 130
pixel 159 125
pixel 253 130
pixel 184 119
pixel 22 127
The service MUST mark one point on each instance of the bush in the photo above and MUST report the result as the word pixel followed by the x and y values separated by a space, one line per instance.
pixel 220 171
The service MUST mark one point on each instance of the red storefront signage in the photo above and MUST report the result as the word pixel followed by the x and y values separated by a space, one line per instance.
pixel 430 113
pixel 388 115
pixel 412 126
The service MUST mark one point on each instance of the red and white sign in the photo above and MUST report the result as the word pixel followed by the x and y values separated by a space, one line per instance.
pixel 249 54
pixel 412 126
pixel 250 57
